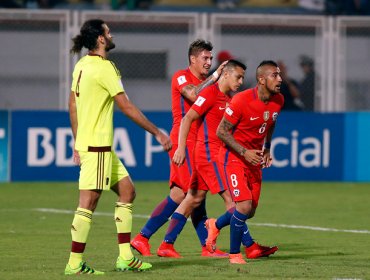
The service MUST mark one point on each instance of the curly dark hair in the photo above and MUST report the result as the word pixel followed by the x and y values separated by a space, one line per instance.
pixel 89 33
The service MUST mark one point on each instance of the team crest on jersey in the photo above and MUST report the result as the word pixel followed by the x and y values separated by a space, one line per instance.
pixel 274 116
pixel 236 192
pixel 266 115
pixel 200 100
pixel 181 80
pixel 229 111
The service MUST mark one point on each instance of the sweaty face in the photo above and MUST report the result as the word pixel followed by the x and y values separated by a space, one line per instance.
pixel 273 79
pixel 235 78
pixel 202 62
pixel 109 45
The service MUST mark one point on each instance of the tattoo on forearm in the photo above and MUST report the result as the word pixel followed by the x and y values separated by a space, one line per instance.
pixel 189 88
pixel 207 82
pixel 225 135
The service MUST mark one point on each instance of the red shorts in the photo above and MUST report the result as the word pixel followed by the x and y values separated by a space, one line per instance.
pixel 243 183
pixel 180 175
pixel 207 176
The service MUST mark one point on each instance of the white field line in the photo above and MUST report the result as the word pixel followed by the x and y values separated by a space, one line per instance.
pixel 61 211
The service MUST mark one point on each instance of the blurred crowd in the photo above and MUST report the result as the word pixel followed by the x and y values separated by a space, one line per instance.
pixel 299 95
pixel 83 4
pixel 329 7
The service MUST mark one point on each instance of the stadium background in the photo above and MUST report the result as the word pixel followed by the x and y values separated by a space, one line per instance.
pixel 329 144
pixel 321 228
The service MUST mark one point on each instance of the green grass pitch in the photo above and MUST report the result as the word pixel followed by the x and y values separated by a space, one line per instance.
pixel 322 230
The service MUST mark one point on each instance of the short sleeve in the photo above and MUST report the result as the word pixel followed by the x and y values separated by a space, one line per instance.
pixel 233 112
pixel 206 99
pixel 180 80
pixel 74 80
pixel 110 79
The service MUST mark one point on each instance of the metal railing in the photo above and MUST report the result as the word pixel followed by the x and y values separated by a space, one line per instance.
pixel 36 63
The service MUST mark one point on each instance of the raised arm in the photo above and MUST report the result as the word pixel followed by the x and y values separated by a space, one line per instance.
pixel 135 114
pixel 191 91
pixel 224 133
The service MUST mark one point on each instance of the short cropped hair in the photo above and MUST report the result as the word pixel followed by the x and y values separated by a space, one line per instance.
pixel 198 46
pixel 265 63
pixel 232 63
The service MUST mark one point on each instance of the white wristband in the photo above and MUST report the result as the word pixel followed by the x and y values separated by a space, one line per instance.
pixel 215 74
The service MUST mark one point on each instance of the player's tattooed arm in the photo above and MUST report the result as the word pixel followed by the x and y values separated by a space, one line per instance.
pixel 207 82
pixel 224 133
pixel 191 91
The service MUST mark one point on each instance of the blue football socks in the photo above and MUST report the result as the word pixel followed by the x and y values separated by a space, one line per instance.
pixel 224 220
pixel 237 226
pixel 176 225
pixel 159 217
pixel 198 218
pixel 247 239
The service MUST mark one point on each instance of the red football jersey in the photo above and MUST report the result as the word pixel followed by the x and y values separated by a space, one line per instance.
pixel 210 105
pixel 181 105
pixel 252 118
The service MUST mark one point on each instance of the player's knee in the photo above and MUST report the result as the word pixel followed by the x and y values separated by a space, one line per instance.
pixel 198 198
pixel 132 196
pixel 176 194
pixel 88 205
pixel 197 201
pixel 89 199
pixel 127 197
pixel 252 213
pixel 245 207
pixel 126 190
pixel 229 205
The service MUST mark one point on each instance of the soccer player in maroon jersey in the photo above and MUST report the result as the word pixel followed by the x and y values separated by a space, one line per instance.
pixel 207 110
pixel 186 84
pixel 246 129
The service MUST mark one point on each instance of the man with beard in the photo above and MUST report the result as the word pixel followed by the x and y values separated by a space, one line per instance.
pixel 208 110
pixel 95 88
pixel 246 130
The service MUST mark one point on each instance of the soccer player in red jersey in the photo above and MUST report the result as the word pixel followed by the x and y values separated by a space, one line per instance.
pixel 186 84
pixel 246 129
pixel 208 109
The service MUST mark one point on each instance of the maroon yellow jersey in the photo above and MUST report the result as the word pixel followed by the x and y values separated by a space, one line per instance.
pixel 181 105
pixel 210 105
pixel 252 119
